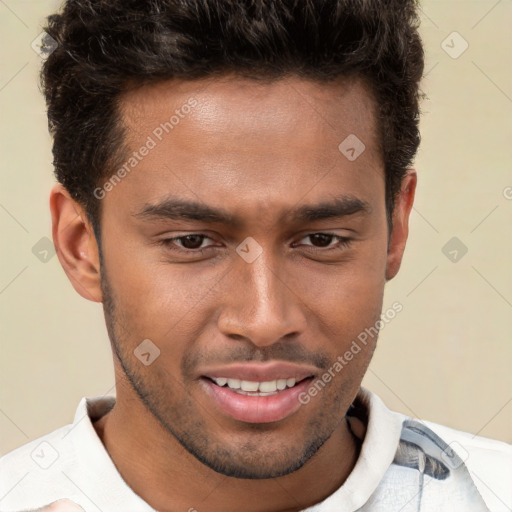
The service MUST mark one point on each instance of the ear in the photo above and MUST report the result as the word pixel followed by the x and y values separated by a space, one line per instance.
pixel 75 244
pixel 400 230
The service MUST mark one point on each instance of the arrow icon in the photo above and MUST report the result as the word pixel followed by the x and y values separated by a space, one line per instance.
pixel 147 352
pixel 454 45
pixel 44 250
pixel 351 147
pixel 249 249
pixel 454 249
pixel 44 455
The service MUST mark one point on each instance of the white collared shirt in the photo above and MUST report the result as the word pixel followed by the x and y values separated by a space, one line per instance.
pixel 404 464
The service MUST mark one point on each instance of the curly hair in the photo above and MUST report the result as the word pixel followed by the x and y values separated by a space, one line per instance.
pixel 105 47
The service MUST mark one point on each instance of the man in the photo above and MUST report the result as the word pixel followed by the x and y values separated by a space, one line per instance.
pixel 235 188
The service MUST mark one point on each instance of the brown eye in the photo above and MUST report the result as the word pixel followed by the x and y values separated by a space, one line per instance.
pixel 324 240
pixel 191 241
pixel 321 239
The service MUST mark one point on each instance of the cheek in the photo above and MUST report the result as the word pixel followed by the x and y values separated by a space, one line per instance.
pixel 147 285
pixel 346 300
pixel 352 282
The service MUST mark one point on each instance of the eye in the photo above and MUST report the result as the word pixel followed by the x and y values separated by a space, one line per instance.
pixel 193 243
pixel 187 243
pixel 324 240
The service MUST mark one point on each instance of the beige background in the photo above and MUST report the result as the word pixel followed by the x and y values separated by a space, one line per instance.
pixel 446 357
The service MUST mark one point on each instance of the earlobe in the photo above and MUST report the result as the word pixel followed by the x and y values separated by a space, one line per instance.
pixel 401 212
pixel 75 244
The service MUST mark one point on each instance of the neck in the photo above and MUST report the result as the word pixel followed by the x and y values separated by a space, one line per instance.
pixel 157 468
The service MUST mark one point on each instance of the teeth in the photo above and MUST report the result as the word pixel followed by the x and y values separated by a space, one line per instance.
pixel 247 385
pixel 281 384
pixel 271 386
pixel 234 383
pixel 268 387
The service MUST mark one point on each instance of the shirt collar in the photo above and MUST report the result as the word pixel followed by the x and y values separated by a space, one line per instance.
pixel 377 427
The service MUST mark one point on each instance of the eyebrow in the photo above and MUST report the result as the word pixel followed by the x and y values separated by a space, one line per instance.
pixel 181 209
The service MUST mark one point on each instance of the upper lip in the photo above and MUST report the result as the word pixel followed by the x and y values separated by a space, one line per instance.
pixel 258 372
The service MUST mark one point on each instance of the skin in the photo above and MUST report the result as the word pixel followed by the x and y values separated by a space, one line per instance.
pixel 259 151
pixel 61 506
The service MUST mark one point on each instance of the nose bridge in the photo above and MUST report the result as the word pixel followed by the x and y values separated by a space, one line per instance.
pixel 264 283
pixel 264 309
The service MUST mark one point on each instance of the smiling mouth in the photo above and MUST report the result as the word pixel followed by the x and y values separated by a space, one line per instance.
pixel 256 388
pixel 257 401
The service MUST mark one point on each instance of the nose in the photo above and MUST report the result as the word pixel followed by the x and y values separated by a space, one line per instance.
pixel 261 304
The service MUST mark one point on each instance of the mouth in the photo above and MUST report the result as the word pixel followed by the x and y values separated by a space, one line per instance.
pixel 256 401
pixel 256 388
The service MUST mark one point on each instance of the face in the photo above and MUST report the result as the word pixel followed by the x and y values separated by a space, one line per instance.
pixel 246 247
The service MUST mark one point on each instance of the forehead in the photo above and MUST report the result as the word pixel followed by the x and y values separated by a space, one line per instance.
pixel 262 107
pixel 261 141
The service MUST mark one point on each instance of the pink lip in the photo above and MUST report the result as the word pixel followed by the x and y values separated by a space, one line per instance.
pixel 261 372
pixel 256 409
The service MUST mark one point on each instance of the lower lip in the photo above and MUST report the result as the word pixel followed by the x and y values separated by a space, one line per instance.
pixel 257 409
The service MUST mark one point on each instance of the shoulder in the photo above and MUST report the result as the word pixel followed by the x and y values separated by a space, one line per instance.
pixel 41 452
pixel 488 461
pixel 40 471
pixel 37 465
pixel 429 466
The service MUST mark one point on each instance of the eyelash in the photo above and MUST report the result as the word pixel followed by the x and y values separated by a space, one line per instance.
pixel 343 242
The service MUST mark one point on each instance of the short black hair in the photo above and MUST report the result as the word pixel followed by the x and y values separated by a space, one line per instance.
pixel 104 47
